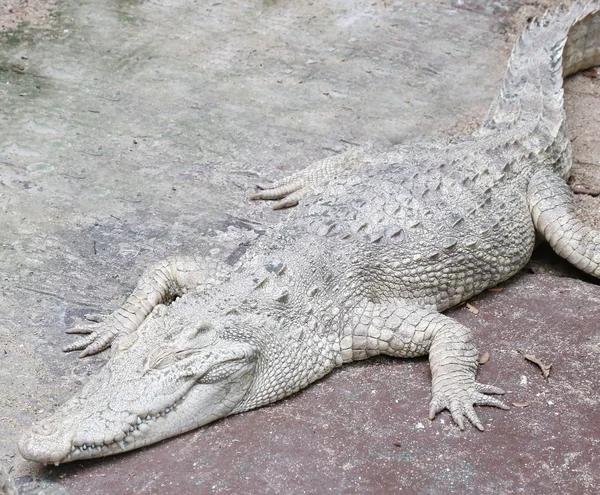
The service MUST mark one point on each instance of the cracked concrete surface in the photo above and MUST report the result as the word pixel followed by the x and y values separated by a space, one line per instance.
pixel 132 130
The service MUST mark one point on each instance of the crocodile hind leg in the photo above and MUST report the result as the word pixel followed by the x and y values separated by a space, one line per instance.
pixel 405 331
pixel 551 206
pixel 293 188
pixel 161 283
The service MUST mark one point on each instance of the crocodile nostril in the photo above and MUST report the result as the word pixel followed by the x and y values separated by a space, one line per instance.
pixel 41 429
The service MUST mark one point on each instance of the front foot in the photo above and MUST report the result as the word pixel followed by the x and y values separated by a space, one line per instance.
pixel 292 189
pixel 289 191
pixel 459 396
pixel 99 336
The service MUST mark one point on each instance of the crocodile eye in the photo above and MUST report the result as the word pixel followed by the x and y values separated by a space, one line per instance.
pixel 165 361
pixel 160 359
pixel 202 327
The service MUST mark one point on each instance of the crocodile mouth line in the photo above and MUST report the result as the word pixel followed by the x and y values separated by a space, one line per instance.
pixel 132 433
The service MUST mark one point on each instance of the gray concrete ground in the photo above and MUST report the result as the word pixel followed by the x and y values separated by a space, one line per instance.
pixel 131 130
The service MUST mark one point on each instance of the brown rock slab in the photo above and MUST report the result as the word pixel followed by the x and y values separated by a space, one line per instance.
pixel 364 428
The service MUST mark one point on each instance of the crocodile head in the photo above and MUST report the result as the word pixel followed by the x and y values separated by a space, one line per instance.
pixel 168 377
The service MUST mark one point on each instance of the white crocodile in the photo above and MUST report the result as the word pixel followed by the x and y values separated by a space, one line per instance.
pixel 379 245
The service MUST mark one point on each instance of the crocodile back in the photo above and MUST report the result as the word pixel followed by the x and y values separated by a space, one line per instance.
pixel 405 224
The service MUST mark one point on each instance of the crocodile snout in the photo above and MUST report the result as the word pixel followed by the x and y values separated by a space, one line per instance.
pixel 42 444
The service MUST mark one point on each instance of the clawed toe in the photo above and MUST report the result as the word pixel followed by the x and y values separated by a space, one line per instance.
pixel 484 400
pixel 99 336
pixel 95 317
pixel 488 389
pixel 471 415
pixel 81 343
pixel 289 201
pixel 82 330
pixel 277 191
pixel 459 400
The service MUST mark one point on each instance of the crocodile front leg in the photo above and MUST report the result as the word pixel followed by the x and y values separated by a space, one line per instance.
pixel 161 283
pixel 551 206
pixel 454 359
pixel 293 188
pixel 401 330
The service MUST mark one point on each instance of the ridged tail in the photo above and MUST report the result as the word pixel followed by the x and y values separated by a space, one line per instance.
pixel 531 102
pixel 559 44
pixel 582 50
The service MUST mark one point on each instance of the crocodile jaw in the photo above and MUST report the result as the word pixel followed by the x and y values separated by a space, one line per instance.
pixel 58 446
pixel 150 408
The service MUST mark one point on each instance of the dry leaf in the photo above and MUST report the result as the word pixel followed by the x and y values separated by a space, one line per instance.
pixel 485 357
pixel 578 189
pixel 518 403
pixel 544 367
pixel 593 72
pixel 496 289
pixel 472 309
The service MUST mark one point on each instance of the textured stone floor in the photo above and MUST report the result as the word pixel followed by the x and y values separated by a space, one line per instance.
pixel 131 130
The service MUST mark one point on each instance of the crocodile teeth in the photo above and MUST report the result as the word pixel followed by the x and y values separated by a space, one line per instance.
pixel 122 445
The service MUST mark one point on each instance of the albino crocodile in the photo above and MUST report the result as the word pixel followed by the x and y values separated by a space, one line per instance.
pixel 378 246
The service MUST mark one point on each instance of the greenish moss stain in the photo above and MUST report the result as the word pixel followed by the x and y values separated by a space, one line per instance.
pixel 11 38
pixel 128 2
pixel 129 19
pixel 58 22
pixel 20 85
pixel 25 80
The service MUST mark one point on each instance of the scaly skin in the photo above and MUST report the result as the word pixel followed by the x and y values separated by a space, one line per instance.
pixel 379 245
